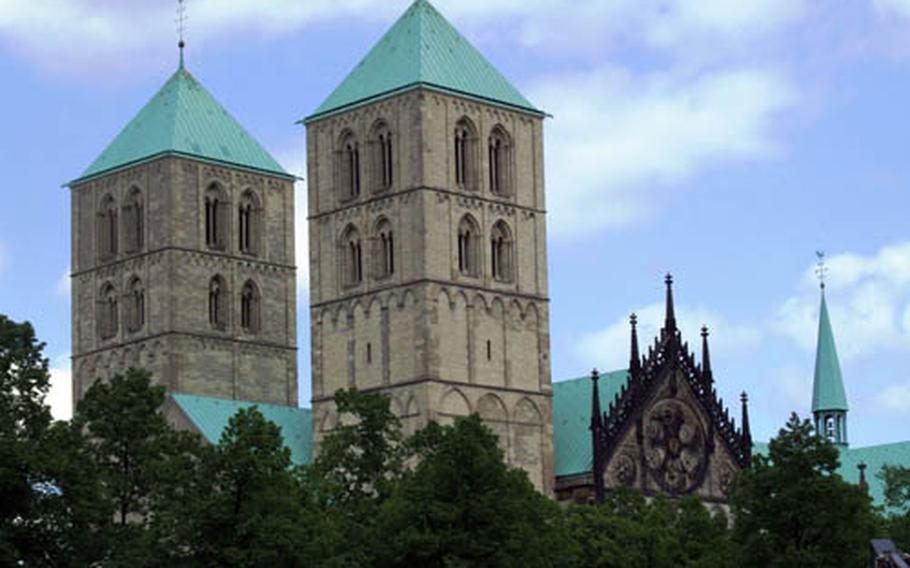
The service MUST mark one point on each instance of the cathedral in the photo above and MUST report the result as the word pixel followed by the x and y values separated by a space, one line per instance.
pixel 428 264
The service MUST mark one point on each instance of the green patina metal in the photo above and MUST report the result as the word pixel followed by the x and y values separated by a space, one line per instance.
pixel 572 419
pixel 211 415
pixel 422 49
pixel 828 388
pixel 183 119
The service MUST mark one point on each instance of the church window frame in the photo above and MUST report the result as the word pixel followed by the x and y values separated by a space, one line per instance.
pixel 218 303
pixel 502 253
pixel 249 223
pixel 250 308
pixel 465 154
pixel 469 238
pixel 108 234
pixel 383 253
pixel 108 312
pixel 499 162
pixel 133 220
pixel 352 257
pixel 135 305
pixel 382 156
pixel 348 166
pixel 216 217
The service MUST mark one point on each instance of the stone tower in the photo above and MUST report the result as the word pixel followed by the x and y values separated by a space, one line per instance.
pixel 183 255
pixel 829 400
pixel 428 241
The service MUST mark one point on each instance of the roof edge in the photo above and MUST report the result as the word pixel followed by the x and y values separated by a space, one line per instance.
pixel 417 85
pixel 175 153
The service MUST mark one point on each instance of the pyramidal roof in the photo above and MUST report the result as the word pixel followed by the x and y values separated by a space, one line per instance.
pixel 423 49
pixel 828 388
pixel 183 118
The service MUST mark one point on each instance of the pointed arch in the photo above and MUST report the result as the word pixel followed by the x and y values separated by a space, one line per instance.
pixel 348 165
pixel 351 247
pixel 249 223
pixel 250 307
pixel 468 246
pixel 135 305
pixel 383 241
pixel 491 407
pixel 381 156
pixel 107 228
pixel 499 167
pixel 465 145
pixel 133 221
pixel 526 411
pixel 502 252
pixel 108 313
pixel 454 403
pixel 216 216
pixel 218 303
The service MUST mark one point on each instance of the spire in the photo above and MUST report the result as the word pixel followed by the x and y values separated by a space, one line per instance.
pixel 596 434
pixel 828 388
pixel 670 321
pixel 634 357
pixel 706 356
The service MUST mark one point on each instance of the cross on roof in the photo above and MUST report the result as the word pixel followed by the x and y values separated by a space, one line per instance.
pixel 821 269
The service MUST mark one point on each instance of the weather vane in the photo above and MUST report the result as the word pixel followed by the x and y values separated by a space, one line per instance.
pixel 821 270
pixel 181 26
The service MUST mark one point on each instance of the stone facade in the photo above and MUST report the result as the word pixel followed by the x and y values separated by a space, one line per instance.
pixel 443 338
pixel 170 264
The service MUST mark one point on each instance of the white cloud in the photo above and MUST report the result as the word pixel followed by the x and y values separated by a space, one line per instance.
pixel 868 301
pixel 63 286
pixel 895 398
pixel 60 397
pixel 608 348
pixel 294 161
pixel 617 141
pixel 893 7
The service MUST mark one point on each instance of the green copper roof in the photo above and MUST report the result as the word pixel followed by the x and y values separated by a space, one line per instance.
pixel 423 49
pixel 828 387
pixel 572 419
pixel 211 415
pixel 183 118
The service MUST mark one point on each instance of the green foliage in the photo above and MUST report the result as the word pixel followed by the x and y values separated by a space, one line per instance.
pixel 792 509
pixel 897 496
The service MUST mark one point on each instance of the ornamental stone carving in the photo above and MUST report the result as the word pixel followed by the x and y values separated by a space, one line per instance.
pixel 674 446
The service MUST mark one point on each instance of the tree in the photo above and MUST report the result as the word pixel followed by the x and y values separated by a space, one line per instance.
pixel 792 509
pixel 461 505
pixel 897 496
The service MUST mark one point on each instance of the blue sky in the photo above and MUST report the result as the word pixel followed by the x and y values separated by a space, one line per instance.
pixel 722 141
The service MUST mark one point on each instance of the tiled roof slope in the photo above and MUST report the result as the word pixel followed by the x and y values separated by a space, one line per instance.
pixel 572 419
pixel 828 386
pixel 183 118
pixel 211 415
pixel 423 49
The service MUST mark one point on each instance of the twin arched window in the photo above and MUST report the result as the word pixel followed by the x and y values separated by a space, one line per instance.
pixel 349 167
pixel 249 307
pixel 468 250
pixel 216 217
pixel 352 255
pixel 107 229
pixel 500 159
pixel 465 154
pixel 249 223
pixel 133 221
pixel 135 306
pixel 382 163
pixel 108 313
pixel 501 252
pixel 384 249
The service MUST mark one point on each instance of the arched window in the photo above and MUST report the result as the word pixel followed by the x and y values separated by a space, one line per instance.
pixel 352 254
pixel 218 300
pixel 383 249
pixel 349 167
pixel 107 312
pixel 135 302
pixel 468 251
pixel 382 158
pixel 501 252
pixel 500 156
pixel 830 431
pixel 465 154
pixel 107 229
pixel 249 225
pixel 133 222
pixel 216 218
pixel 249 308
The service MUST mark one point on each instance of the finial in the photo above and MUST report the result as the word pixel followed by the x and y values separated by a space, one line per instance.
pixel 634 358
pixel 705 355
pixel 597 429
pixel 862 475
pixel 181 28
pixel 821 269
pixel 747 434
pixel 670 323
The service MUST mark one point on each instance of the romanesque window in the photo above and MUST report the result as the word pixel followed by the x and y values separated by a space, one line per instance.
pixel 465 154
pixel 501 252
pixel 500 155
pixel 249 224
pixel 382 158
pixel 133 221
pixel 384 249
pixel 468 251
pixel 107 229
pixel 349 167
pixel 218 300
pixel 107 312
pixel 250 303
pixel 135 306
pixel 352 255
pixel 216 218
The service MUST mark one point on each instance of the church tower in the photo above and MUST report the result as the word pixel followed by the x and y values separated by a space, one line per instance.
pixel 428 241
pixel 829 401
pixel 183 255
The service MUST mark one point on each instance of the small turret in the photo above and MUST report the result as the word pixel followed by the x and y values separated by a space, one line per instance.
pixel 706 358
pixel 670 319
pixel 634 357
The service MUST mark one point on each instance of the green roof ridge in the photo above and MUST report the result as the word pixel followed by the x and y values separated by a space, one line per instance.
pixel 183 118
pixel 828 385
pixel 423 49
